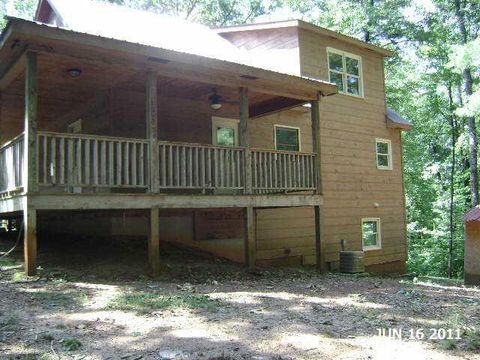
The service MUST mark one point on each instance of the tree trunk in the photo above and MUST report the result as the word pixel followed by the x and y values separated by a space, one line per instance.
pixel 452 183
pixel 472 126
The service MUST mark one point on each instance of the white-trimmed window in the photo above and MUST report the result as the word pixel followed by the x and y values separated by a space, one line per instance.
pixel 383 149
pixel 287 138
pixel 345 70
pixel 224 131
pixel 371 234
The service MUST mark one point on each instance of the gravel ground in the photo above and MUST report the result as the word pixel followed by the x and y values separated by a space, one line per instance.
pixel 86 305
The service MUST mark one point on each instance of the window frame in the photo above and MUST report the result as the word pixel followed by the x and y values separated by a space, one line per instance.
pixel 389 154
pixel 299 134
pixel 378 246
pixel 218 121
pixel 344 74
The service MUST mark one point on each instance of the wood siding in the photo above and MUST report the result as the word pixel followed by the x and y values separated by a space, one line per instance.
pixel 352 184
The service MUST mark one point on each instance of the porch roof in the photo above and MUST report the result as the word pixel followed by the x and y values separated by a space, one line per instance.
pixel 21 34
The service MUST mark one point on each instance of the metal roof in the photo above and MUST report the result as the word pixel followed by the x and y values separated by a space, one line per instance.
pixel 162 31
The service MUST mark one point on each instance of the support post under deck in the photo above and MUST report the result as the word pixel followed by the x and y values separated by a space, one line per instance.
pixel 30 240
pixel 154 242
pixel 250 237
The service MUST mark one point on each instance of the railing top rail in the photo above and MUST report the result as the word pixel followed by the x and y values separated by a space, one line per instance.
pixel 93 137
pixel 283 152
pixel 179 143
pixel 12 141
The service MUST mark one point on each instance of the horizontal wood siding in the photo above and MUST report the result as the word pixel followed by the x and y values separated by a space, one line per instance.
pixel 352 184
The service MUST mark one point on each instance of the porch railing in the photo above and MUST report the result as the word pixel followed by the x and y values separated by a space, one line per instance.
pixel 11 165
pixel 197 166
pixel 282 171
pixel 77 160
pixel 80 160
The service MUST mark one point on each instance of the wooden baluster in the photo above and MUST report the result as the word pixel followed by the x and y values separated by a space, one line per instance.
pixel 95 162
pixel 103 162
pixel 216 178
pixel 170 165
pixel 87 162
pixel 202 168
pixel 134 164
pixel 70 162
pixel 209 167
pixel 119 163
pixel 177 179
pixel 163 165
pixel 141 163
pixel 190 167
pixel 79 161
pixel 111 168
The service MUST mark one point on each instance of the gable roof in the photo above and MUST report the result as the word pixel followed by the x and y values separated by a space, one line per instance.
pixel 306 26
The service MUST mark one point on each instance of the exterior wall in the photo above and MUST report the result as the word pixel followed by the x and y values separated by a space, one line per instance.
pixel 275 49
pixel 472 253
pixel 352 184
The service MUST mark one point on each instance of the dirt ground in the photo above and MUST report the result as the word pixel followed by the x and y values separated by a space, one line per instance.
pixel 94 301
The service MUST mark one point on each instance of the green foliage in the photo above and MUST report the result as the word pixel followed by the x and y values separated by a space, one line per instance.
pixel 71 344
pixel 147 302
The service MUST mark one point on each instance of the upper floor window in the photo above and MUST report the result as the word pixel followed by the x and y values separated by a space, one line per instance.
pixel 345 70
pixel 287 138
pixel 384 154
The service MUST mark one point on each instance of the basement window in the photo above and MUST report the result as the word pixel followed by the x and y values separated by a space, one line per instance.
pixel 371 234
pixel 383 149
pixel 345 70
pixel 287 138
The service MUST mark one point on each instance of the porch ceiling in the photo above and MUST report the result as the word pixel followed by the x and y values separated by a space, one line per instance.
pixel 22 34
pixel 58 91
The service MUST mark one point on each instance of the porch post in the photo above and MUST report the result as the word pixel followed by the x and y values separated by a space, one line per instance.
pixel 30 170
pixel 250 237
pixel 30 166
pixel 245 139
pixel 250 242
pixel 152 131
pixel 154 242
pixel 319 244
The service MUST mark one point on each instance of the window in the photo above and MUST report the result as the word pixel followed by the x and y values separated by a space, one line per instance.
pixel 371 234
pixel 345 70
pixel 287 138
pixel 384 154
pixel 224 131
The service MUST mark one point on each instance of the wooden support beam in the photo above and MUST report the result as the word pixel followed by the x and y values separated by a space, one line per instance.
pixel 152 131
pixel 30 171
pixel 30 239
pixel 250 240
pixel 273 106
pixel 154 242
pixel 145 201
pixel 319 243
pixel 245 138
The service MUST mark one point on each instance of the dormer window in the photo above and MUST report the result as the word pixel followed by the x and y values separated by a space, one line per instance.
pixel 345 70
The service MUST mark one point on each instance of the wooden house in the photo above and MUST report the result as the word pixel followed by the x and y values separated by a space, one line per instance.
pixel 266 143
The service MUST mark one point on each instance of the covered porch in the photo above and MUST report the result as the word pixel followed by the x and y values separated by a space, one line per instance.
pixel 88 123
